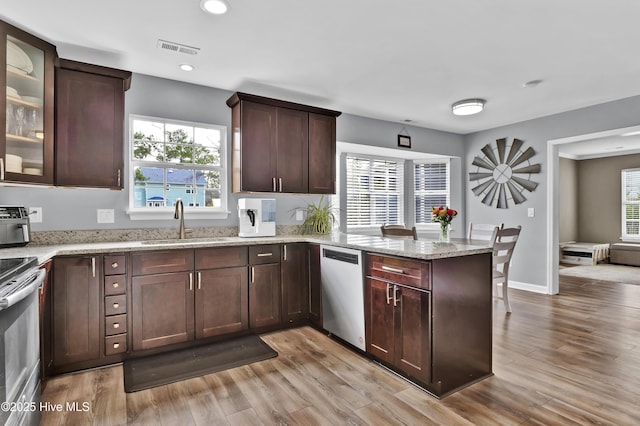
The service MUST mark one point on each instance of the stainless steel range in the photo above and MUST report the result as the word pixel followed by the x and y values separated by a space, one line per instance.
pixel 20 279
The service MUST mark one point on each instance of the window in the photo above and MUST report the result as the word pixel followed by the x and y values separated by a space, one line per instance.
pixel 374 191
pixel 431 188
pixel 175 159
pixel 631 204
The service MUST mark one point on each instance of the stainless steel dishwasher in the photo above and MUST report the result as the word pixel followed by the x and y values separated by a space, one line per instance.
pixel 343 294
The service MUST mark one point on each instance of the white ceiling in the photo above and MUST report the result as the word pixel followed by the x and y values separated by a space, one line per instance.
pixel 396 61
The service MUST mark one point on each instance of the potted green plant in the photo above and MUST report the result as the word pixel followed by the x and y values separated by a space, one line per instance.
pixel 320 218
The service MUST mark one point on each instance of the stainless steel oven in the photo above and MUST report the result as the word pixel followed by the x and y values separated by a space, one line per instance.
pixel 19 341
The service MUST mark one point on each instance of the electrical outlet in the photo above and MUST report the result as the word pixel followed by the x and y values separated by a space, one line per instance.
pixel 531 212
pixel 35 214
pixel 105 216
pixel 299 214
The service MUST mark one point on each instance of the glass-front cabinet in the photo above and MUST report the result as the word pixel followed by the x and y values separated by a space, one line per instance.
pixel 26 150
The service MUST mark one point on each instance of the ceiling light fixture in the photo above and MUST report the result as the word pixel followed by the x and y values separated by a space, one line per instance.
pixel 468 106
pixel 217 7
pixel 186 67
pixel 531 84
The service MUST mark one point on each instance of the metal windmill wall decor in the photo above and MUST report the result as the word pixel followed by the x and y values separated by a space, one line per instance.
pixel 501 180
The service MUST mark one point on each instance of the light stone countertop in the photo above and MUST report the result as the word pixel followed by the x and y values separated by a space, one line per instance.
pixel 421 249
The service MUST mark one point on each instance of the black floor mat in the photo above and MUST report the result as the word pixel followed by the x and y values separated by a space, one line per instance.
pixel 162 369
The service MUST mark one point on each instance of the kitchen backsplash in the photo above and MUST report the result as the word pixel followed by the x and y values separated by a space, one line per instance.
pixel 142 234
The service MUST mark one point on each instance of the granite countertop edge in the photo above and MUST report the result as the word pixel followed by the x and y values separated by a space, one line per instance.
pixel 421 249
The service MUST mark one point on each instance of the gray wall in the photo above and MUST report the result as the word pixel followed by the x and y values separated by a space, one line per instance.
pixel 599 188
pixel 568 208
pixel 67 209
pixel 530 257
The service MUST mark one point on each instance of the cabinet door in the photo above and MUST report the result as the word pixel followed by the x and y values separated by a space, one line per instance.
pixel 293 151
pixel 162 309
pixel 264 295
pixel 379 319
pixel 76 309
pixel 89 129
pixel 322 154
pixel 259 149
pixel 221 301
pixel 26 93
pixel 315 285
pixel 295 287
pixel 413 332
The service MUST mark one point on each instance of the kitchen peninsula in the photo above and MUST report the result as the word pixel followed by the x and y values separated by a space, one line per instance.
pixel 428 305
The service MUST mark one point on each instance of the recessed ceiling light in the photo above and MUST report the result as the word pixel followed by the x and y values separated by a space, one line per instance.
pixel 468 106
pixel 217 7
pixel 531 84
pixel 186 67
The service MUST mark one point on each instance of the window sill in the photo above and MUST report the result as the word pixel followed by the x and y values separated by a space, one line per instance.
pixel 167 213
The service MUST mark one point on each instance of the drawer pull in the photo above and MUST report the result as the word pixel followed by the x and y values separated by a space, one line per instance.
pixel 116 325
pixel 394 270
pixel 116 345
pixel 114 265
pixel 264 254
pixel 116 285
pixel 116 305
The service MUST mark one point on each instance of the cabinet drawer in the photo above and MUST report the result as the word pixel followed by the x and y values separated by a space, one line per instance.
pixel 115 324
pixel 115 264
pixel 115 344
pixel 268 253
pixel 399 270
pixel 115 284
pixel 162 262
pixel 114 305
pixel 223 257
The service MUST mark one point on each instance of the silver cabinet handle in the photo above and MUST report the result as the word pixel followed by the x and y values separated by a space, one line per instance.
pixel 394 270
pixel 116 305
pixel 114 265
pixel 119 178
pixel 116 285
pixel 1 168
pixel 116 345
pixel 388 293
pixel 190 281
pixel 264 254
pixel 199 280
pixel 116 325
pixel 284 256
pixel 395 295
pixel 253 274
pixel 273 184
pixel 93 267
pixel 280 184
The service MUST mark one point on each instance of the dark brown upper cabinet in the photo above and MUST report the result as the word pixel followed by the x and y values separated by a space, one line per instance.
pixel 26 150
pixel 280 146
pixel 90 125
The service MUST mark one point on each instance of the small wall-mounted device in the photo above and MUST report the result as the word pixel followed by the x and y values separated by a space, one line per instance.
pixel 257 217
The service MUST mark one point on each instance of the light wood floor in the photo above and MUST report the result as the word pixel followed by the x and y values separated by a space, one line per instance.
pixel 567 359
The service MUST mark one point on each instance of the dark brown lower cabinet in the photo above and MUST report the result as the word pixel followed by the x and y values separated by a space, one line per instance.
pixel 315 285
pixel 398 327
pixel 76 309
pixel 264 295
pixel 295 290
pixel 221 301
pixel 162 309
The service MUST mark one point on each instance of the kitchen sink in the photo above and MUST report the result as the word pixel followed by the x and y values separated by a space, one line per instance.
pixel 187 241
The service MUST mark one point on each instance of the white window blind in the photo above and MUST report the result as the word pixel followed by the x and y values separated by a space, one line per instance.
pixel 631 203
pixel 431 188
pixel 374 191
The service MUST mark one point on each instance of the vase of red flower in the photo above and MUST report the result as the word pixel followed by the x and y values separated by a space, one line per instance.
pixel 444 215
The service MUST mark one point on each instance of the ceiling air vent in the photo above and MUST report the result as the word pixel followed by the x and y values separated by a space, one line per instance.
pixel 177 47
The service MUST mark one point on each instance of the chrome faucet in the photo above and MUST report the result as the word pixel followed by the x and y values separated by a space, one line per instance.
pixel 179 214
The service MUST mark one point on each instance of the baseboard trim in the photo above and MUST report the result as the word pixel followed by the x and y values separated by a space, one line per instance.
pixel 528 287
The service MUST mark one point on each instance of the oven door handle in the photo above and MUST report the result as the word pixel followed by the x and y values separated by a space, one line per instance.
pixel 29 283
